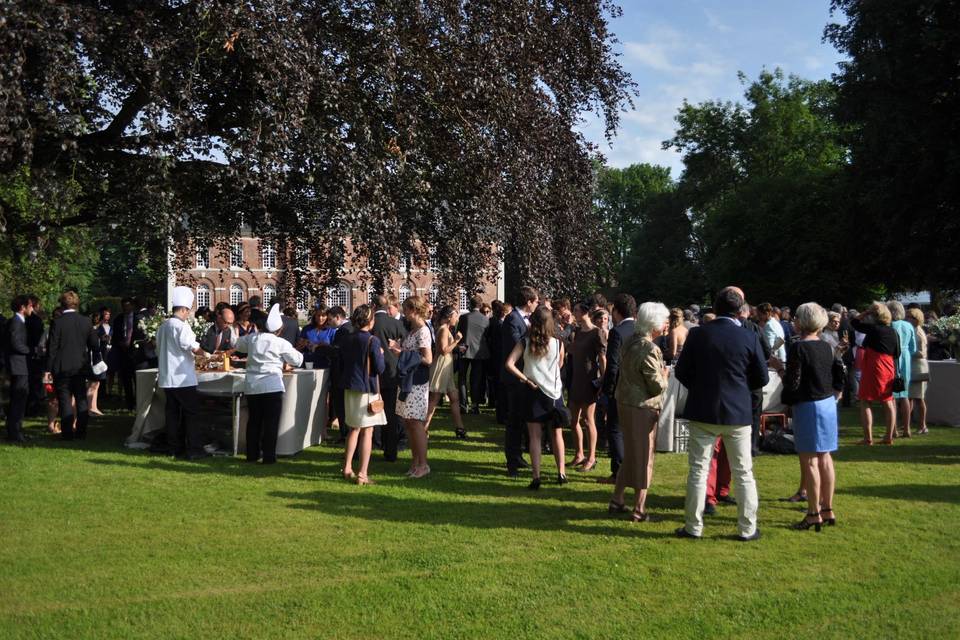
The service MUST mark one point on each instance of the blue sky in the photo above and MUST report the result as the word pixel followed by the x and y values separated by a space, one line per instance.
pixel 693 49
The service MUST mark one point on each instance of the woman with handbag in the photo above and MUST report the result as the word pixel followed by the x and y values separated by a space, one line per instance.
pixel 920 372
pixel 268 357
pixel 542 355
pixel 640 386
pixel 442 380
pixel 878 368
pixel 361 359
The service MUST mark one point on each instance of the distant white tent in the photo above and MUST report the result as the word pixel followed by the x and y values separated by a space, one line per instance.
pixel 911 297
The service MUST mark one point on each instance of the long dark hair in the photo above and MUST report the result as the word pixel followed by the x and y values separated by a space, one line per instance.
pixel 541 331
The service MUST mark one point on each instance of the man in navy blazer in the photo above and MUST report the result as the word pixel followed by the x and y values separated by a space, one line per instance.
pixel 624 312
pixel 719 365
pixel 514 330
pixel 18 352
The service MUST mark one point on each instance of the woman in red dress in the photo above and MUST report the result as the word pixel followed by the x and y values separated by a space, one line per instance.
pixel 878 368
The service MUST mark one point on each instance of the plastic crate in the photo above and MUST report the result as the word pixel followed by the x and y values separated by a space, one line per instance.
pixel 681 435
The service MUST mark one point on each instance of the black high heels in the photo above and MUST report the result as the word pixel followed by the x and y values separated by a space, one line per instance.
pixel 534 484
pixel 561 479
pixel 831 521
pixel 806 524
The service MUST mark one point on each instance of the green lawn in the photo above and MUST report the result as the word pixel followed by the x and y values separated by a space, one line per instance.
pixel 101 542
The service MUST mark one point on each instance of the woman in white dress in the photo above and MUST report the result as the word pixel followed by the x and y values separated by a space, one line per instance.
pixel 415 356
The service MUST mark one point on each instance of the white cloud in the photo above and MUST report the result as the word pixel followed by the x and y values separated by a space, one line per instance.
pixel 715 23
pixel 649 54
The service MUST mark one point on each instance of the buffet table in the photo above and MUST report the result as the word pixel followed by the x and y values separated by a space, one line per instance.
pixel 943 393
pixel 675 398
pixel 302 417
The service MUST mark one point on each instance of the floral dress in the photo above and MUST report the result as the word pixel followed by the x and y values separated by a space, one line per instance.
pixel 414 407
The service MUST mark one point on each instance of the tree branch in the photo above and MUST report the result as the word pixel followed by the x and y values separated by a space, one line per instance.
pixel 128 111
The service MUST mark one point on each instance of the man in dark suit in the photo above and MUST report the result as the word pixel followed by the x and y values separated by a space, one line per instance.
pixel 473 354
pixel 493 362
pixel 257 314
pixel 514 330
pixel 18 353
pixel 36 397
pixel 68 359
pixel 720 364
pixel 387 328
pixel 220 336
pixel 126 334
pixel 624 311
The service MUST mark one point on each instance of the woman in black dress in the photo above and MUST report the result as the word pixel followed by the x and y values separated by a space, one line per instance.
pixel 588 362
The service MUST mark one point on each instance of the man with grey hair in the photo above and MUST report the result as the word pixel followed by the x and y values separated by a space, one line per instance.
pixel 719 365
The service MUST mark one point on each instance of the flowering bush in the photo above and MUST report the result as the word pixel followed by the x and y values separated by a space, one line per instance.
pixel 150 324
pixel 947 330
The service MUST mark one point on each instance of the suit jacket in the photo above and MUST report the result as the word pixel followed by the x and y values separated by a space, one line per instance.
pixel 758 331
pixel 291 330
pixel 513 330
pixel 17 347
pixel 387 328
pixel 209 340
pixel 118 332
pixel 719 365
pixel 474 327
pixel 493 343
pixel 72 338
pixel 615 341
pixel 34 334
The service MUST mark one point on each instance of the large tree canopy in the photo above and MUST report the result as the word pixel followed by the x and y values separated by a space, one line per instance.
pixel 900 90
pixel 399 124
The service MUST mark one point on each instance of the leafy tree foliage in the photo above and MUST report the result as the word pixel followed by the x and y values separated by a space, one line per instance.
pixel 400 124
pixel 900 93
pixel 766 190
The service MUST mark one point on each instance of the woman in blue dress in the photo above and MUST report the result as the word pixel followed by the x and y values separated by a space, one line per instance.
pixel 812 385
pixel 908 346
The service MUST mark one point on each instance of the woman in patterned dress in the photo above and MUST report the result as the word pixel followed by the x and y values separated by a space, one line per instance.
pixel 413 404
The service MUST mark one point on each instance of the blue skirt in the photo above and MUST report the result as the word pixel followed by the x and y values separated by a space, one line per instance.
pixel 815 426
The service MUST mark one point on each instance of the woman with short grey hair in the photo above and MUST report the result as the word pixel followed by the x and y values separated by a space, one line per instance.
pixel 640 386
pixel 908 346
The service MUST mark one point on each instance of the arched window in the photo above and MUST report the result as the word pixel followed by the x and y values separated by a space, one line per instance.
pixel 203 258
pixel 434 295
pixel 301 258
pixel 403 292
pixel 236 255
pixel 236 293
pixel 339 296
pixel 405 262
pixel 464 301
pixel 269 293
pixel 203 296
pixel 269 256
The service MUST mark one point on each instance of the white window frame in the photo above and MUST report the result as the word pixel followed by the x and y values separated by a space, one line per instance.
pixel 203 257
pixel 434 295
pixel 339 296
pixel 433 263
pixel 236 289
pixel 268 295
pixel 268 255
pixel 404 288
pixel 464 301
pixel 371 294
pixel 236 255
pixel 203 291
pixel 301 259
pixel 303 300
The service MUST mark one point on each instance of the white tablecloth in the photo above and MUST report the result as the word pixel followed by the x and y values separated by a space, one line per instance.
pixel 943 393
pixel 675 397
pixel 302 417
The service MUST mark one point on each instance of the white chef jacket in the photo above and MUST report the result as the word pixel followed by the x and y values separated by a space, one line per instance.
pixel 176 343
pixel 266 354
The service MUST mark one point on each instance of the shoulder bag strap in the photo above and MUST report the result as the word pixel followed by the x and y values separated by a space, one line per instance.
pixel 369 355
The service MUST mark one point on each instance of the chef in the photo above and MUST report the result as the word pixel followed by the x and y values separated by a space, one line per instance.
pixel 268 356
pixel 176 375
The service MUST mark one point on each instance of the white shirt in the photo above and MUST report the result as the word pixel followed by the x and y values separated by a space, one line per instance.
pixel 545 370
pixel 266 354
pixel 771 331
pixel 176 343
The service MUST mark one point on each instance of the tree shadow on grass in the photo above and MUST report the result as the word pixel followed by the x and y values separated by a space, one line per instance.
pixel 902 453
pixel 529 515
pixel 910 492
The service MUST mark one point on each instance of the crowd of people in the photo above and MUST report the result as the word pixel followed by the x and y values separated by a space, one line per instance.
pixel 595 367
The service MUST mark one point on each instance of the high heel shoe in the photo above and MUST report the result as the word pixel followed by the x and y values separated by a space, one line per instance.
pixel 616 507
pixel 832 521
pixel 576 462
pixel 561 479
pixel 639 516
pixel 534 484
pixel 805 524
pixel 461 434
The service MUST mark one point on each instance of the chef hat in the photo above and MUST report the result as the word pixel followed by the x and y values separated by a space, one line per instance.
pixel 274 321
pixel 182 297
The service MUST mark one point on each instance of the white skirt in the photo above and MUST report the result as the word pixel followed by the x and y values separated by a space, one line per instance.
pixel 355 408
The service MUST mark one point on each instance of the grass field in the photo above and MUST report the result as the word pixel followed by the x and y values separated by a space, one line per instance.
pixel 101 542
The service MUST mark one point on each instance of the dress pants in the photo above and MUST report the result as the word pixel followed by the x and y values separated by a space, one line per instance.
pixel 756 400
pixel 183 430
pixel 703 439
pixel 70 389
pixel 36 394
pixel 127 371
pixel 470 372
pixel 718 482
pixel 19 392
pixel 516 397
pixel 390 432
pixel 263 424
pixel 614 437
pixel 339 408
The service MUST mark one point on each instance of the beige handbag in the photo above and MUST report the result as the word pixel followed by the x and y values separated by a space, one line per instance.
pixel 374 407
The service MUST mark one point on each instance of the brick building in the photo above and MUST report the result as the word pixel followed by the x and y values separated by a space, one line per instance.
pixel 252 267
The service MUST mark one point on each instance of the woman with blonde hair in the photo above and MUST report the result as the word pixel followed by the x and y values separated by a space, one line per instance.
pixel 907 343
pixel 676 336
pixel 919 372
pixel 442 381
pixel 811 386
pixel 542 355
pixel 877 368
pixel 640 386
pixel 414 355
